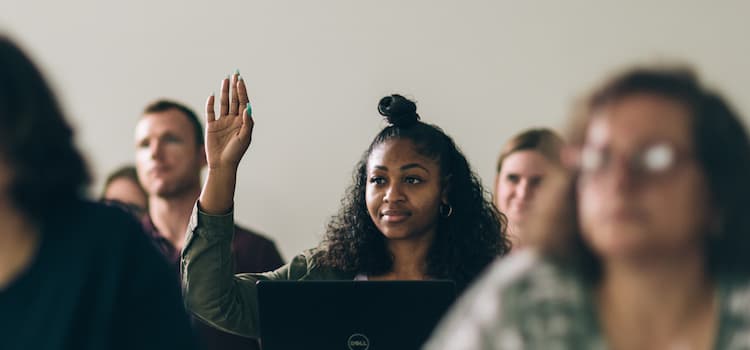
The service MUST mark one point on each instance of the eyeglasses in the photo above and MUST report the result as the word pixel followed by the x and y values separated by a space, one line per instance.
pixel 654 160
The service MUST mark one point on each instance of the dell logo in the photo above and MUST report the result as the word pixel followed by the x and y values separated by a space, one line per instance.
pixel 358 342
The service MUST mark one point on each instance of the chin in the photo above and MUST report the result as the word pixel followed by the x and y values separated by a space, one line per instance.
pixel 165 192
pixel 390 235
pixel 619 244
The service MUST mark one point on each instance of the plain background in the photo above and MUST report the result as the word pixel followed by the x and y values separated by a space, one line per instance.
pixel 482 70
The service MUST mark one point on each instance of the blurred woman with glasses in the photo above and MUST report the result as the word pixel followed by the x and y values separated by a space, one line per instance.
pixel 645 242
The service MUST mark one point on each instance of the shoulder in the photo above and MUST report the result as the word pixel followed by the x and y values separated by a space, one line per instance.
pixel 254 252
pixel 87 234
pixel 734 297
pixel 527 280
pixel 95 221
pixel 104 236
pixel 245 235
pixel 305 266
pixel 520 297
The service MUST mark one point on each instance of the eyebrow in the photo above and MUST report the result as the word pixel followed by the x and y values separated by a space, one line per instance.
pixel 405 167
pixel 161 136
pixel 170 134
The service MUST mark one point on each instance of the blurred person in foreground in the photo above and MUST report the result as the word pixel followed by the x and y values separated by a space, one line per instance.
pixel 645 241
pixel 64 284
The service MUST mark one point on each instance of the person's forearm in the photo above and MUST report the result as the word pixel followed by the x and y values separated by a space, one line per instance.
pixel 217 196
pixel 211 290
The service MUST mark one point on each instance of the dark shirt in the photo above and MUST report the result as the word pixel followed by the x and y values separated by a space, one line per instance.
pixel 251 252
pixel 96 282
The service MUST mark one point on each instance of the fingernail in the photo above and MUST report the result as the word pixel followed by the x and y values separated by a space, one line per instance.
pixel 213 94
pixel 241 78
pixel 237 71
pixel 227 77
pixel 249 110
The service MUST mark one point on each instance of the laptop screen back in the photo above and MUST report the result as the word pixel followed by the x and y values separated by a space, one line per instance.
pixel 350 315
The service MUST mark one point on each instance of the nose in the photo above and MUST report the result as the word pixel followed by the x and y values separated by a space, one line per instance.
pixel 155 149
pixel 524 189
pixel 621 175
pixel 394 193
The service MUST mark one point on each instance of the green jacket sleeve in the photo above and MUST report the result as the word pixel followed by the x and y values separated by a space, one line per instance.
pixel 211 290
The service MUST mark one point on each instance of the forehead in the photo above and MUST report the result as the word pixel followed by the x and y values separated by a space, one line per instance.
pixel 524 162
pixel 638 119
pixel 171 121
pixel 395 153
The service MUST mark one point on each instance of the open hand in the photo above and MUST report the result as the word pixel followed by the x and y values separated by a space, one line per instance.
pixel 229 135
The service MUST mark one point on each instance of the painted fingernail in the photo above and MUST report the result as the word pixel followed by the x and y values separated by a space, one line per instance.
pixel 249 110
pixel 237 71
pixel 241 79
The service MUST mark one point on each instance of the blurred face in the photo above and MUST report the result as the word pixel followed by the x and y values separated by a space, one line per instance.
pixel 520 176
pixel 126 191
pixel 641 192
pixel 403 191
pixel 168 159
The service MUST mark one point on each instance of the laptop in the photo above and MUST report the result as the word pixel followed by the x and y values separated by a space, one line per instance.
pixel 350 315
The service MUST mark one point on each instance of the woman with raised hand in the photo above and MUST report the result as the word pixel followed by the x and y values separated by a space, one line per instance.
pixel 415 211
pixel 644 242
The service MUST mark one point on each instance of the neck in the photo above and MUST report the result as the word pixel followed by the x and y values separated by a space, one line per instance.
pixel 515 234
pixel 409 258
pixel 171 215
pixel 19 240
pixel 662 300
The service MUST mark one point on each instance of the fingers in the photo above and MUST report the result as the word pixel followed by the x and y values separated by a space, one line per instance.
pixel 224 97
pixel 242 93
pixel 234 103
pixel 233 98
pixel 210 115
pixel 246 132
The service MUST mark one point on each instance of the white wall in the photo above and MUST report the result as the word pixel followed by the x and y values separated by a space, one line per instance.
pixel 480 69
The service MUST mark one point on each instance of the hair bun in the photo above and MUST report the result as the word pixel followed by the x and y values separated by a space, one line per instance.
pixel 398 110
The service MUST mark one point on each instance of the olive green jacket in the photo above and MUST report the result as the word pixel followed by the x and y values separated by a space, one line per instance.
pixel 214 293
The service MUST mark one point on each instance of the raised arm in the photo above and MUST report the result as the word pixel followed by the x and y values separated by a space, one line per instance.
pixel 210 289
pixel 227 140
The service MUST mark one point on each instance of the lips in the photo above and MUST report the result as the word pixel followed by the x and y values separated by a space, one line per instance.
pixel 158 170
pixel 626 215
pixel 395 215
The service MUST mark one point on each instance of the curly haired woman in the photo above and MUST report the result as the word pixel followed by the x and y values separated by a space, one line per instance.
pixel 415 211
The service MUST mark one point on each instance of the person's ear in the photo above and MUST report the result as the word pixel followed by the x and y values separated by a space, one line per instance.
pixel 446 189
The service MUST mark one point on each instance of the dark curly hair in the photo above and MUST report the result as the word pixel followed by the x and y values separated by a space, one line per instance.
pixel 36 143
pixel 465 242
